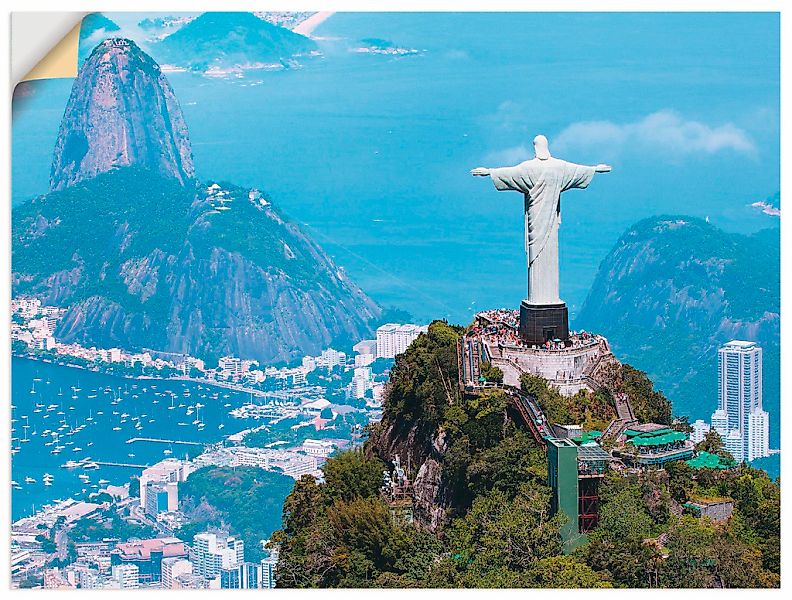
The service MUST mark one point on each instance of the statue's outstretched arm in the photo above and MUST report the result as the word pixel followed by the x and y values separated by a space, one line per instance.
pixel 601 168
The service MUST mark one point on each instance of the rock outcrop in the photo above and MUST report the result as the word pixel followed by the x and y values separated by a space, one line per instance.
pixel 144 257
pixel 675 288
pixel 121 112
pixel 421 450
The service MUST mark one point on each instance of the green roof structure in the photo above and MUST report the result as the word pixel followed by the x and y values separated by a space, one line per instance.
pixel 588 436
pixel 706 460
pixel 654 444
pixel 659 437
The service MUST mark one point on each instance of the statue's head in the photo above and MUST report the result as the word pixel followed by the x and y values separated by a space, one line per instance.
pixel 541 148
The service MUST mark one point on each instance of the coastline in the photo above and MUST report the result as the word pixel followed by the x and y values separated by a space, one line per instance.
pixel 208 382
pixel 307 27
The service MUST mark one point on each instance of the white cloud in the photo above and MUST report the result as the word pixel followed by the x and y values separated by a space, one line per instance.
pixel 767 208
pixel 663 132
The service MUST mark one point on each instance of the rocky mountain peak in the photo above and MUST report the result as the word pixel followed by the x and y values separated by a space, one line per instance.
pixel 121 112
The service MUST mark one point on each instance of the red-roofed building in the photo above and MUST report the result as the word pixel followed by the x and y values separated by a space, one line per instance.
pixel 148 555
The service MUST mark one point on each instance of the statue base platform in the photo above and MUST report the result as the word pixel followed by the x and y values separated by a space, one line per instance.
pixel 542 322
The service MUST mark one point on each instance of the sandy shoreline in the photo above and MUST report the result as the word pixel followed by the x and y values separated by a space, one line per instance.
pixel 306 27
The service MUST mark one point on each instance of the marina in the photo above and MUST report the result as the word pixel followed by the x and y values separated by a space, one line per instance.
pixel 67 423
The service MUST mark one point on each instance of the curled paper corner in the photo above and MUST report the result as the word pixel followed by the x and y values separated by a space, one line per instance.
pixel 61 61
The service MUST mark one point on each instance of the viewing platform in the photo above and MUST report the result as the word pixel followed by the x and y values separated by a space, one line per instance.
pixel 569 366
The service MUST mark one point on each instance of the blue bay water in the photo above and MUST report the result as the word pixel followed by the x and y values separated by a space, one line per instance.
pixel 98 440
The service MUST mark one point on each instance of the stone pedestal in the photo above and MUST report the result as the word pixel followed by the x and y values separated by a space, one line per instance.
pixel 542 322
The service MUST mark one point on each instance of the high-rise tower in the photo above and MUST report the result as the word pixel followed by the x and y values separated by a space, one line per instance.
pixel 740 400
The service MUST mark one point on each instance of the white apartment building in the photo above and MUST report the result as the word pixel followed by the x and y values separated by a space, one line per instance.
pixel 358 387
pixel 366 347
pixel 740 397
pixel 127 576
pixel 330 358
pixel 27 307
pixel 172 568
pixel 268 571
pixel 190 362
pixel 230 366
pixel 361 382
pixel 758 434
pixel 364 360
pixel 323 448
pixel 720 423
pixel 168 470
pixel 393 339
pixel 700 431
pixel 734 445
pixel 211 554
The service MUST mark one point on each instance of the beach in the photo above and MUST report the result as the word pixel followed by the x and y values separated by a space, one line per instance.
pixel 307 27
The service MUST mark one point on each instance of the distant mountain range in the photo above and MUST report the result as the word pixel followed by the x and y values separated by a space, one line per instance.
pixel 144 256
pixel 224 40
pixel 673 289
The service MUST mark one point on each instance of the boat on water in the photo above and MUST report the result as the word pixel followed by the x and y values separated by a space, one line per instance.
pixel 70 464
pixel 29 479
pixel 91 465
pixel 103 482
pixel 15 485
pixel 116 428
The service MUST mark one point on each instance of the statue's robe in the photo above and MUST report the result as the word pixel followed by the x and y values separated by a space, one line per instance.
pixel 542 182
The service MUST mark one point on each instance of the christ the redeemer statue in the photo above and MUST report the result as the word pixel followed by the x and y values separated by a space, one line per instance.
pixel 542 180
